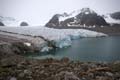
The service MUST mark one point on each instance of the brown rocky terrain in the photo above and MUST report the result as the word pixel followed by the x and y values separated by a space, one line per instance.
pixel 15 67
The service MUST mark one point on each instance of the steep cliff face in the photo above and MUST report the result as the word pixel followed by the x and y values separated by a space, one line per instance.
pixel 85 16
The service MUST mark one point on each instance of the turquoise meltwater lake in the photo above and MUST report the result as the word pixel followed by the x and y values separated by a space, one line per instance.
pixel 86 49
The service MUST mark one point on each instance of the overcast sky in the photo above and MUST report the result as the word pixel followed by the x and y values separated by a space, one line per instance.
pixel 38 12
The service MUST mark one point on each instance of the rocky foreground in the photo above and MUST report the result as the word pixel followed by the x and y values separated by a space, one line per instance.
pixel 15 67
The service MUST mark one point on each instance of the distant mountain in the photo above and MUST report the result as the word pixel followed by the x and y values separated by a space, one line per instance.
pixel 85 16
pixel 115 15
pixel 113 18
pixel 8 21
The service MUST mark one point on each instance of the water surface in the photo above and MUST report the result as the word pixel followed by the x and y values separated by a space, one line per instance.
pixel 87 49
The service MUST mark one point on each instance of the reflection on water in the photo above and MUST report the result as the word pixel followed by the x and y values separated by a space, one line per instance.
pixel 87 49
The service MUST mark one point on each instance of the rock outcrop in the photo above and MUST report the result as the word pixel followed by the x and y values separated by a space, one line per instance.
pixel 24 24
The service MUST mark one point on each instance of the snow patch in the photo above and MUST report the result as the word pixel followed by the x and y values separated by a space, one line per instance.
pixel 27 44
pixel 86 12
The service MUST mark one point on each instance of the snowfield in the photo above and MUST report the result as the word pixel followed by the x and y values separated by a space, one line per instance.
pixel 59 37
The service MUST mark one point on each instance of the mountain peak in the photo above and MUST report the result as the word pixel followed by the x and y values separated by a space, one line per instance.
pixel 87 11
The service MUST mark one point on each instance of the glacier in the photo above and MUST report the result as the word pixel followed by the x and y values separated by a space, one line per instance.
pixel 58 37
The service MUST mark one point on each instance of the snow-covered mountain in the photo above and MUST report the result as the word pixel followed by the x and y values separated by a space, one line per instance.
pixel 85 16
pixel 9 21
pixel 113 18
pixel 115 15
